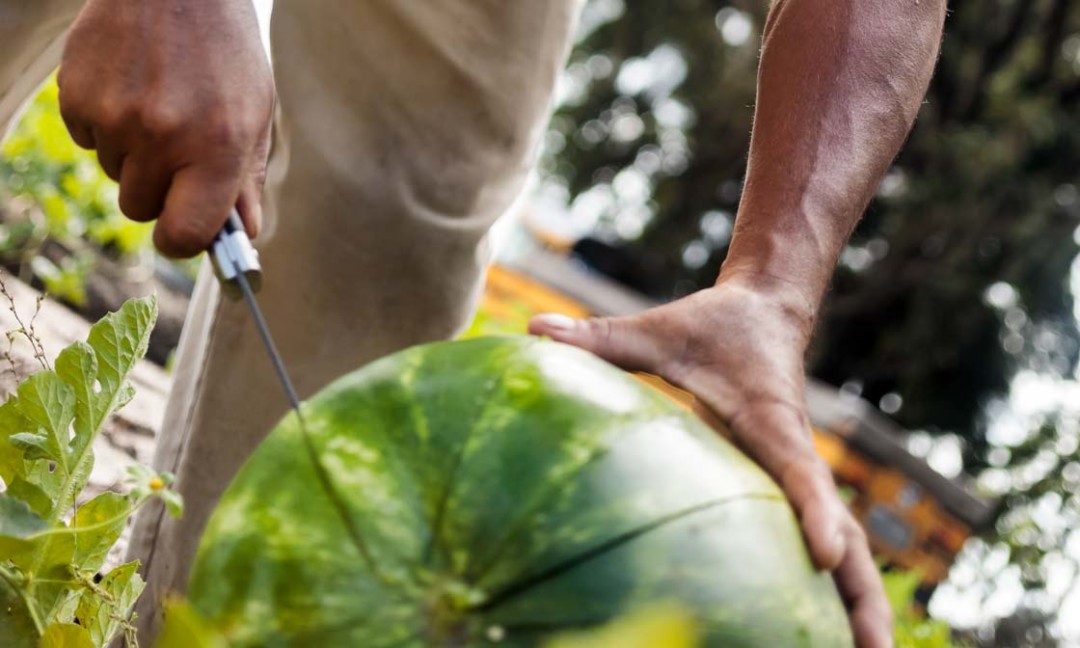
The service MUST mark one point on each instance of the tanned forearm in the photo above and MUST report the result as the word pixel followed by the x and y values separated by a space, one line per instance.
pixel 839 86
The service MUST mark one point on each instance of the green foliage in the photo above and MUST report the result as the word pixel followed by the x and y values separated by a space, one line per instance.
pixel 49 553
pixel 913 630
pixel 51 190
pixel 185 628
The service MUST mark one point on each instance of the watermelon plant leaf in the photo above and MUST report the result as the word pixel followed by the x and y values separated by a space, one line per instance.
pixel 12 422
pixel 17 519
pixel 50 556
pixel 66 635
pixel 119 589
pixel 102 520
pixel 77 367
pixel 35 446
pixel 48 404
pixel 120 340
pixel 37 499
pixel 127 392
pixel 17 523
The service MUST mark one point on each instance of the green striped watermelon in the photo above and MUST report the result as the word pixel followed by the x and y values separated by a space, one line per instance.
pixel 500 491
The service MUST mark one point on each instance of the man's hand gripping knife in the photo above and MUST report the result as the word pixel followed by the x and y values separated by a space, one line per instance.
pixel 839 85
pixel 176 97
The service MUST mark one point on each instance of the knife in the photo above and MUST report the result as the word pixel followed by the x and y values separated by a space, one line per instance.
pixel 236 264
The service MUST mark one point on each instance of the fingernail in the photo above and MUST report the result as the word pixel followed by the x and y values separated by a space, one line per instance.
pixel 557 322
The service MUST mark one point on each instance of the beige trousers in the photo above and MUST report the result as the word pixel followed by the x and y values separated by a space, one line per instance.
pixel 405 129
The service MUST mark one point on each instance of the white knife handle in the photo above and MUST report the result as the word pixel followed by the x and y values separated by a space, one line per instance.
pixel 231 254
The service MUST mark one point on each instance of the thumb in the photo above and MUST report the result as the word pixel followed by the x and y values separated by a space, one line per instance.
pixel 627 342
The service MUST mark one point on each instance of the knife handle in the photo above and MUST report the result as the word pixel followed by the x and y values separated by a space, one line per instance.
pixel 232 254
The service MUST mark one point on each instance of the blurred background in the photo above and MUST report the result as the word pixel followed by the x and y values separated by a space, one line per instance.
pixel 946 357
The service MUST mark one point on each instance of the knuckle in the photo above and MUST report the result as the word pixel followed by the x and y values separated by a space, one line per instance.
pixel 113 114
pixel 232 132
pixel 602 329
pixel 160 120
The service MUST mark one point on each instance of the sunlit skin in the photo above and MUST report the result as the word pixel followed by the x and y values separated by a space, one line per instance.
pixel 176 97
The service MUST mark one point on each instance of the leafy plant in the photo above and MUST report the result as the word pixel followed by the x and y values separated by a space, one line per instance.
pixel 51 549
pixel 54 191
pixel 913 630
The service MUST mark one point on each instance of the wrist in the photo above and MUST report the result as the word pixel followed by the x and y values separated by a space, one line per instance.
pixel 792 301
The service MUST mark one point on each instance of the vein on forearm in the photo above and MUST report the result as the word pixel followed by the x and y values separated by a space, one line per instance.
pixel 839 86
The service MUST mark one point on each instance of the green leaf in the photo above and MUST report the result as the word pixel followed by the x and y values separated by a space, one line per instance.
pixel 16 625
pixel 120 340
pixel 17 523
pixel 102 615
pixel 77 366
pixel 35 446
pixel 127 392
pixel 35 497
pixel 12 422
pixel 48 403
pixel 184 628
pixel 174 503
pixel 17 519
pixel 46 434
pixel 91 547
pixel 95 374
pixel 97 370
pixel 66 635
pixel 51 562
pixel 900 588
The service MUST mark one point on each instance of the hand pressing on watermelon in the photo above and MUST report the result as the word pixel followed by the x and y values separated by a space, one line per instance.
pixel 738 347
pixel 838 90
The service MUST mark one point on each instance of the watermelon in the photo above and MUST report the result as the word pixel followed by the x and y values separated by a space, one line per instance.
pixel 502 491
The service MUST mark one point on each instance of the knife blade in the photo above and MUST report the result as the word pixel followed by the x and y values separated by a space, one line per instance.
pixel 236 264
